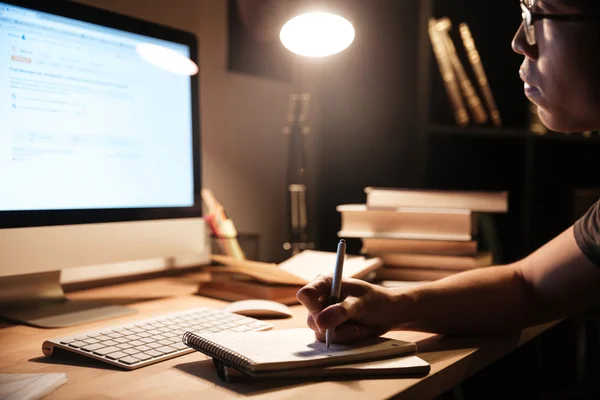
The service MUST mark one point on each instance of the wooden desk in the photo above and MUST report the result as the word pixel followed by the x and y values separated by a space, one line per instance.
pixel 193 375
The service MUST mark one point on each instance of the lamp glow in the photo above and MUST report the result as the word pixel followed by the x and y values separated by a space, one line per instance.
pixel 167 59
pixel 317 34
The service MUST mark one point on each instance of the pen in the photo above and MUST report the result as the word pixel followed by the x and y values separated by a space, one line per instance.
pixel 336 286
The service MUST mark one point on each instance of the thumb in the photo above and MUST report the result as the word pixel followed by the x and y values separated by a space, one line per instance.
pixel 349 309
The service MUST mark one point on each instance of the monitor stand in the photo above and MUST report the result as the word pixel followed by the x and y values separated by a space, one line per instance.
pixel 39 300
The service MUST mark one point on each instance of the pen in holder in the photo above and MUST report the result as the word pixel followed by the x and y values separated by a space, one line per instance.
pixel 224 237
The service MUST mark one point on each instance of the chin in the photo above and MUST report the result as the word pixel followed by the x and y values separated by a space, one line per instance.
pixel 565 124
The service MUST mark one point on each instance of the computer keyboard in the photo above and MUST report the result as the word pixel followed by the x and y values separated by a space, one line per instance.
pixel 152 340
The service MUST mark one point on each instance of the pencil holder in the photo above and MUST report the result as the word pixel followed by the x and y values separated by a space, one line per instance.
pixel 248 243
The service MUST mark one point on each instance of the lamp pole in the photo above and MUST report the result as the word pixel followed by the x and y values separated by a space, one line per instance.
pixel 296 130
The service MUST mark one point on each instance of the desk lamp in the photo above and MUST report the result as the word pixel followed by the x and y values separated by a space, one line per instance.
pixel 309 35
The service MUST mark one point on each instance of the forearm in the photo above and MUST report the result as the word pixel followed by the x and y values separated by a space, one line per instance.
pixel 486 300
pixel 554 282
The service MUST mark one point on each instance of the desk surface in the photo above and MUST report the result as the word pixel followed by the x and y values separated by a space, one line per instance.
pixel 193 375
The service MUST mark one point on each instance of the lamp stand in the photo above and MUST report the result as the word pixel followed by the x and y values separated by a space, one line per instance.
pixel 297 129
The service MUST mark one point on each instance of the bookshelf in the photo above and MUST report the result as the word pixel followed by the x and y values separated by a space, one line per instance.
pixel 541 172
pixel 386 121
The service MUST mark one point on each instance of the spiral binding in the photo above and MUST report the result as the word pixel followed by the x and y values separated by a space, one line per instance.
pixel 214 350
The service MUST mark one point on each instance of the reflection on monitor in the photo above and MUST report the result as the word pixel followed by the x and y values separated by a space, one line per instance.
pixel 99 148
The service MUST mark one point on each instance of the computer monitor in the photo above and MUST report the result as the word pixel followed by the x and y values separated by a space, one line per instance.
pixel 99 152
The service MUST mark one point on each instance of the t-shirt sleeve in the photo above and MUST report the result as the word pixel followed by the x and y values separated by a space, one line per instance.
pixel 587 233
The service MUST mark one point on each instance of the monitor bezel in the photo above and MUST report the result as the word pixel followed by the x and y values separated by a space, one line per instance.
pixel 85 13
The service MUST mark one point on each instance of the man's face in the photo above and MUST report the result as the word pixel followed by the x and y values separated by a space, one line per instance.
pixel 562 70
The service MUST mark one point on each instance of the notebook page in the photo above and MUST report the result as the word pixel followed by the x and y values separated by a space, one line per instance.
pixel 295 348
pixel 310 263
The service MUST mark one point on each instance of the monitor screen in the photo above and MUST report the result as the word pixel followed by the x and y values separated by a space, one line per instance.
pixel 85 122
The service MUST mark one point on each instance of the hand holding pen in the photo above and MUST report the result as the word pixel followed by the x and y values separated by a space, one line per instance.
pixel 356 310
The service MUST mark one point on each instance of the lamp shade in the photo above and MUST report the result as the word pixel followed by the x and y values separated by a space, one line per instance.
pixel 317 34
pixel 167 59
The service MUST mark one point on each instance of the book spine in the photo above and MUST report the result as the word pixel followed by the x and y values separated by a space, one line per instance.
pixel 458 107
pixel 477 65
pixel 473 101
pixel 216 351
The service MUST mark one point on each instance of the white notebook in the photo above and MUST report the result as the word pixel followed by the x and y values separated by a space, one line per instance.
pixel 296 352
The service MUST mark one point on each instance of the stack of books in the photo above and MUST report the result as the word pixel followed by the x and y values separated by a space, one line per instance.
pixel 233 279
pixel 423 235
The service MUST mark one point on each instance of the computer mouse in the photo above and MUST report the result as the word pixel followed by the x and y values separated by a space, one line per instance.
pixel 258 308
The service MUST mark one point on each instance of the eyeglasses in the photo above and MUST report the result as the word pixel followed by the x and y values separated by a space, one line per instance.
pixel 530 17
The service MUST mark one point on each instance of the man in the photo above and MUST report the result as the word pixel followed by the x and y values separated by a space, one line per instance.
pixel 559 40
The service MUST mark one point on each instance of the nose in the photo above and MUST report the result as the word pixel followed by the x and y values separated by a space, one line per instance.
pixel 520 44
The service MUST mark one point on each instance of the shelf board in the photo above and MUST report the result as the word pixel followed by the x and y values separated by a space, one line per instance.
pixel 479 131
pixel 487 131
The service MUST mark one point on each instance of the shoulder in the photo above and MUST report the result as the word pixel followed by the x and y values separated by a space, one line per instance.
pixel 587 233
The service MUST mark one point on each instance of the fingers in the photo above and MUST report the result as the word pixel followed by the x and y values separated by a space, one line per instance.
pixel 309 295
pixel 349 332
pixel 311 323
pixel 337 314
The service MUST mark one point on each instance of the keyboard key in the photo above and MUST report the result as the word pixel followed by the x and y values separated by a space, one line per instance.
pixel 121 340
pixel 93 347
pixel 142 356
pixel 129 360
pixel 110 343
pixel 241 328
pixel 106 350
pixel 179 346
pixel 155 345
pixel 153 353
pixel 78 344
pixel 131 351
pixel 166 350
pixel 124 346
pixel 143 348
pixel 116 355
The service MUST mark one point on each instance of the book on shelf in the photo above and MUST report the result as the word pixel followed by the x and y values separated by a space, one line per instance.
pixel 376 245
pixel 437 261
pixel 299 355
pixel 412 274
pixel 358 220
pixel 479 201
pixel 471 97
pixel 481 77
pixel 448 74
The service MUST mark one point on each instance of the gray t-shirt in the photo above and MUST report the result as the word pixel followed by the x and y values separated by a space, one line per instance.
pixel 587 233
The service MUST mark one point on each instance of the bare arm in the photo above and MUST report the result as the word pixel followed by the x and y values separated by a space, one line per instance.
pixel 554 282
